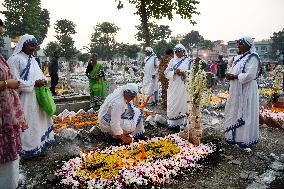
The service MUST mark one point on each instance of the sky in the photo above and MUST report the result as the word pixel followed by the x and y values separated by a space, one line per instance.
pixel 218 20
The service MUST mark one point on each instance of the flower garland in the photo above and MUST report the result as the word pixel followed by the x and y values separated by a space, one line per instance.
pixel 75 121
pixel 139 164
pixel 271 94
pixel 198 92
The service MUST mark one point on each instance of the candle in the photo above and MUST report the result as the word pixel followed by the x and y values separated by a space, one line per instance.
pixel 142 151
pixel 131 145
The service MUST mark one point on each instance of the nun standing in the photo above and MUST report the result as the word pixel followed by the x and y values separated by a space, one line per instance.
pixel 177 107
pixel 25 69
pixel 150 79
pixel 242 107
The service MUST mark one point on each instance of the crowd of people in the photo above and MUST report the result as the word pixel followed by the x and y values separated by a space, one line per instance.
pixel 26 129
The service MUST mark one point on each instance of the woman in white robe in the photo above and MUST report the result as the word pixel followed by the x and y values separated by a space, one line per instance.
pixel 242 107
pixel 150 79
pixel 118 116
pixel 177 107
pixel 25 68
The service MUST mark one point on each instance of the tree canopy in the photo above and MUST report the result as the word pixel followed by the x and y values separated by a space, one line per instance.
pixel 103 40
pixel 26 17
pixel 127 50
pixel 194 40
pixel 64 29
pixel 278 41
pixel 157 32
pixel 158 9
pixel 84 57
pixel 51 47
pixel 161 46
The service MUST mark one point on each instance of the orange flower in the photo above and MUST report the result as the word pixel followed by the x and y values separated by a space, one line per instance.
pixel 277 109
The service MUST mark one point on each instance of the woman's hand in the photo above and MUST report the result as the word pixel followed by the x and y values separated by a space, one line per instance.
pixel 40 83
pixel 230 76
pixel 13 84
pixel 179 73
pixel 95 79
pixel 126 139
pixel 10 84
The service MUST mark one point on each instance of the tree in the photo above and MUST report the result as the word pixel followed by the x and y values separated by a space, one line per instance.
pixel 206 44
pixel 69 51
pixel 83 57
pixel 132 51
pixel 157 32
pixel 161 46
pixel 277 41
pixel 158 9
pixel 26 17
pixel 51 47
pixel 103 40
pixel 44 25
pixel 192 39
pixel 64 29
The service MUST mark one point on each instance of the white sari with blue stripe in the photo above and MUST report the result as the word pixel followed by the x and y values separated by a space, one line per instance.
pixel 40 132
pixel 242 107
pixel 122 118
pixel 177 106
pixel 151 85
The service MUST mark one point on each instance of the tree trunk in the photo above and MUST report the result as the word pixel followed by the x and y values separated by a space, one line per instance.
pixel 144 22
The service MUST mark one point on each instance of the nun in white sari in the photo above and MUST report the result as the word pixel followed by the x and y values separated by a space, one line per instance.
pixel 242 107
pixel 25 68
pixel 177 107
pixel 150 79
pixel 118 116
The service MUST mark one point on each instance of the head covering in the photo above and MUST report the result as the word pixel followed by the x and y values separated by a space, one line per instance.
pixel 180 47
pixel 149 49
pixel 24 40
pixel 116 95
pixel 248 42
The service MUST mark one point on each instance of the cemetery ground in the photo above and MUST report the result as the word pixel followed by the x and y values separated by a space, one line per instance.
pixel 230 167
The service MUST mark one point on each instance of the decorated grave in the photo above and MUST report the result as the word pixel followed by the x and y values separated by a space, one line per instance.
pixel 144 163
pixel 141 164
pixel 74 120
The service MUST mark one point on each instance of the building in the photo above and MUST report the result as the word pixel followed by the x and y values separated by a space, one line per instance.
pixel 264 49
pixel 232 49
pixel 219 48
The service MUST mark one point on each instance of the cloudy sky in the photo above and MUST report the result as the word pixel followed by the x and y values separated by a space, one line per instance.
pixel 219 19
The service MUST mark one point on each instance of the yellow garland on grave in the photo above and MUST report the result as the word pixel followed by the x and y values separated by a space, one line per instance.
pixel 108 165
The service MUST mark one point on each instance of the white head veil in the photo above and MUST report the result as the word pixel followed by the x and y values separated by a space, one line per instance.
pixel 24 39
pixel 117 95
pixel 248 41
pixel 149 49
pixel 180 47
